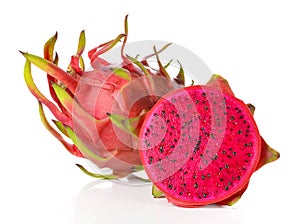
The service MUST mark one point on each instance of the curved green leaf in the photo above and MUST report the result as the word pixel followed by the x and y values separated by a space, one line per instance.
pixel 81 146
pixel 70 147
pixel 122 73
pixel 40 97
pixel 49 47
pixel 52 70
pixel 96 175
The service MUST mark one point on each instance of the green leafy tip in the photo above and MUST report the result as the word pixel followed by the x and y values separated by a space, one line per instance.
pixel 96 175
pixel 49 47
pixel 156 192
pixel 122 73
pixel 161 67
pixel 81 146
pixel 81 43
pixel 180 77
pixel 124 123
pixel 53 70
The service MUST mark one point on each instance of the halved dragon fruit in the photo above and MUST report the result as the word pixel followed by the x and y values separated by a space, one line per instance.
pixel 200 145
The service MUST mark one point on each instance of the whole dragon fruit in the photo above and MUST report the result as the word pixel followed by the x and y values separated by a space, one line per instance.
pixel 100 109
pixel 200 145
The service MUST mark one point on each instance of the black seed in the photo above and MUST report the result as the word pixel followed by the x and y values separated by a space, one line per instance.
pixel 170 186
pixel 161 149
pixel 163 112
pixel 195 176
pixel 208 176
pixel 180 193
pixel 204 195
pixel 189 106
pixel 203 177
pixel 239 132
pixel 175 140
pixel 241 117
pixel 220 168
pixel 229 157
pixel 167 121
pixel 226 166
pixel 173 100
pixel 238 177
pixel 212 136
pixel 177 115
pixel 172 112
pixel 246 161
pixel 205 107
pixel 224 152
pixel 196 102
pixel 155 115
pixel 172 126
pixel 249 154
pixel 226 188
pixel 204 94
pixel 172 146
pixel 232 117
pixel 206 134
pixel 150 159
pixel 163 140
pixel 221 179
pixel 196 185
pixel 184 184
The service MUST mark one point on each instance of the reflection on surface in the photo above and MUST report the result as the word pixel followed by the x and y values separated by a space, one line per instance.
pixel 110 202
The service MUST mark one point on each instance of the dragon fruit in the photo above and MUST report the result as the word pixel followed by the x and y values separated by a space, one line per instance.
pixel 100 110
pixel 200 145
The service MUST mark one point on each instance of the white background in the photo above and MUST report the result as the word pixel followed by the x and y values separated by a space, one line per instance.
pixel 254 44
